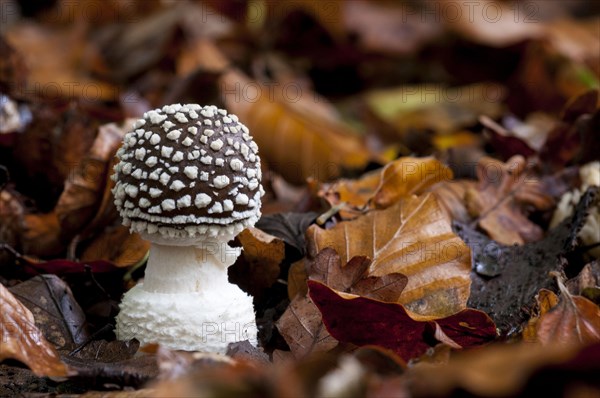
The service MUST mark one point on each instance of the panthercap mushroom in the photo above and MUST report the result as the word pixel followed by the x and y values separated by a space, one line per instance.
pixel 188 181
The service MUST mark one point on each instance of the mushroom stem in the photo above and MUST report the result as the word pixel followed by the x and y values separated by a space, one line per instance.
pixel 192 269
pixel 190 304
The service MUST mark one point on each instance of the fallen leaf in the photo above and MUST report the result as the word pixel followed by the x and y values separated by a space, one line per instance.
pixel 41 235
pixel 353 277
pixel 438 108
pixel 23 341
pixel 12 210
pixel 363 321
pixel 53 57
pixel 302 328
pixel 117 246
pixel 323 148
pixel 451 196
pixel 83 190
pixel 572 139
pixel 379 189
pixel 412 237
pixel 57 314
pixel 297 277
pixel 574 320
pixel 301 324
pixel 290 227
pixel 525 370
pixel 544 301
pixel 258 267
pixel 505 279
pixel 503 192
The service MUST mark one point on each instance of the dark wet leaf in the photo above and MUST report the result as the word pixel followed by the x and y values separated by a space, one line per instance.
pixel 518 272
pixel 56 312
pixel 290 227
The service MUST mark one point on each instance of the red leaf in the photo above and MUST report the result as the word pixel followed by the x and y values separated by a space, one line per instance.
pixel 362 321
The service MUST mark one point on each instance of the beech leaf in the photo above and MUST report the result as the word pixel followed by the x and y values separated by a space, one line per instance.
pixel 379 189
pixel 363 321
pixel 23 341
pixel 574 320
pixel 413 237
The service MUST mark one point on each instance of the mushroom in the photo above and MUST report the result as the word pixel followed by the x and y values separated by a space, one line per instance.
pixel 188 181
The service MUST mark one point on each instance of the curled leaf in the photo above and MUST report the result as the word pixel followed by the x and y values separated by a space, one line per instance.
pixel 23 341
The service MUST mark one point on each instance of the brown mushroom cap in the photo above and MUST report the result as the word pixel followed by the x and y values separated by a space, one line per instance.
pixel 187 170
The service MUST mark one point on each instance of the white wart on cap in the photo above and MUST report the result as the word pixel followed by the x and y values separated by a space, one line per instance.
pixel 187 170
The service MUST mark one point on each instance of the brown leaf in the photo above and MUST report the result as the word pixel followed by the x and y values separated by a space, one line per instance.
pixel 451 196
pixel 362 321
pixel 353 277
pixel 441 109
pixel 302 328
pixel 12 210
pixel 297 277
pixel 53 57
pixel 413 237
pixel 321 148
pixel 84 188
pixel 118 246
pixel 574 320
pixel 379 189
pixel 258 266
pixel 502 370
pixel 503 192
pixel 41 235
pixel 23 341
pixel 57 314
pixel 545 300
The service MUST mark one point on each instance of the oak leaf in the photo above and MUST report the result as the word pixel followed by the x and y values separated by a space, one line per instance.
pixel 23 341
pixel 413 237
pixel 500 200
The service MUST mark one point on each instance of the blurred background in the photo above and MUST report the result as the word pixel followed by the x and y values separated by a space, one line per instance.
pixel 328 88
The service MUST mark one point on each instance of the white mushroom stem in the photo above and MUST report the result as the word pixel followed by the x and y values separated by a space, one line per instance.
pixel 187 269
pixel 186 301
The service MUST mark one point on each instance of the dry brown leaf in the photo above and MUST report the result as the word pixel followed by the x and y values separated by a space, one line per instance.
pixel 574 320
pixel 451 195
pixel 413 237
pixel 320 148
pixel 297 277
pixel 503 191
pixel 41 235
pixel 441 109
pixel 302 328
pixel 118 246
pixel 499 370
pixel 84 188
pixel 53 57
pixel 379 189
pixel 258 267
pixel 23 341
pixel 11 219
pixel 545 300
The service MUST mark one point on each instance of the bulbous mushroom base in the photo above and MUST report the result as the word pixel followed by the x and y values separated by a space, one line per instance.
pixel 198 321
